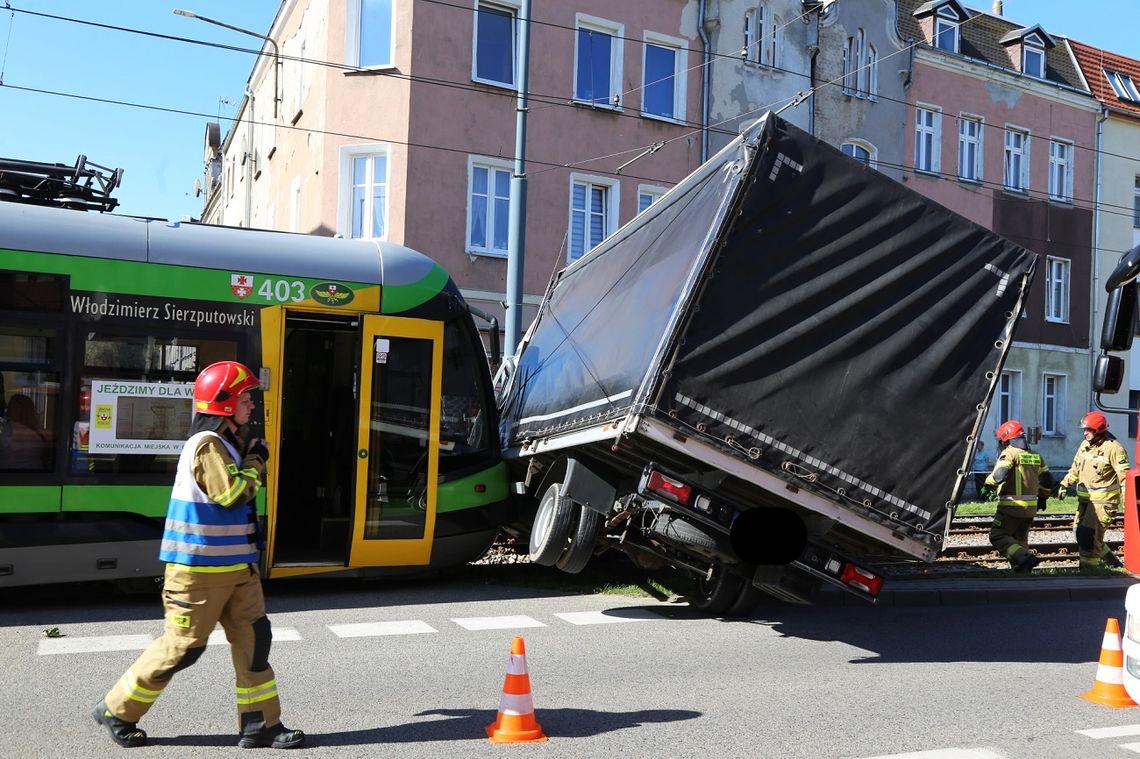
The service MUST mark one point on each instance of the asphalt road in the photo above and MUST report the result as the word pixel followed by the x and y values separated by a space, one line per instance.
pixel 417 670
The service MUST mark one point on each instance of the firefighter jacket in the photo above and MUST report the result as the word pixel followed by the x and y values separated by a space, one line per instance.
pixel 1018 477
pixel 1098 470
pixel 211 520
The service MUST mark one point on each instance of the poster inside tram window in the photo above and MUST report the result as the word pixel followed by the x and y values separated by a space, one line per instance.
pixel 140 417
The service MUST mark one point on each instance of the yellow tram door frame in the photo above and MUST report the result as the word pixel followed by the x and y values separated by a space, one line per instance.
pixel 272 361
pixel 386 513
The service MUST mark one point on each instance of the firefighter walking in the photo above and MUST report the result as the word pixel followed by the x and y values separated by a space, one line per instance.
pixel 210 544
pixel 1022 481
pixel 1098 471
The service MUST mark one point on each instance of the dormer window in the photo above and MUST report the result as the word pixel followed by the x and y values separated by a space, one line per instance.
pixel 1123 85
pixel 946 23
pixel 1033 57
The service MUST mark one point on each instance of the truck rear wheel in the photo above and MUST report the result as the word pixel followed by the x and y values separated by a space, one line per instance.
pixel 582 541
pixel 749 596
pixel 716 594
pixel 551 527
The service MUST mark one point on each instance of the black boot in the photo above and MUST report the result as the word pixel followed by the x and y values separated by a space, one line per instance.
pixel 126 734
pixel 1028 564
pixel 1110 560
pixel 255 734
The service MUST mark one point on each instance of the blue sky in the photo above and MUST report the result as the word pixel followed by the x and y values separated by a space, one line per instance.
pixel 161 153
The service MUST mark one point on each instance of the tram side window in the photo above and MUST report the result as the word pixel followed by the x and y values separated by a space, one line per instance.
pixel 134 402
pixel 29 399
pixel 464 427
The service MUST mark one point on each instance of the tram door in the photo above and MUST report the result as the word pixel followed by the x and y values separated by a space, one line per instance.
pixel 397 456
pixel 357 442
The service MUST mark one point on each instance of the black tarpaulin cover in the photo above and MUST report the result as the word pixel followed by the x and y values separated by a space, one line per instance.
pixel 816 318
pixel 849 330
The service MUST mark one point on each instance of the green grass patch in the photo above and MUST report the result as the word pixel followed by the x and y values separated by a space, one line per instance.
pixel 987 508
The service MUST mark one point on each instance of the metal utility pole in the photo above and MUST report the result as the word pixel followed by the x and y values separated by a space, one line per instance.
pixel 516 235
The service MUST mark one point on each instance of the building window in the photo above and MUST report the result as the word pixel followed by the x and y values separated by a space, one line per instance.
pixel 1053 404
pixel 860 67
pixel 593 213
pixel 850 66
pixel 488 206
pixel 1122 85
pixel 647 195
pixel 494 48
pixel 1061 171
pixel 663 90
pixel 1016 160
pixel 927 139
pixel 1033 57
pixel 370 33
pixel 762 37
pixel 946 29
pixel 597 62
pixel 753 20
pixel 861 151
pixel 970 149
pixel 1057 290
pixel 364 191
pixel 1009 396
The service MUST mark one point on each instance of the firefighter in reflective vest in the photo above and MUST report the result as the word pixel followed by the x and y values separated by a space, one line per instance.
pixel 1098 471
pixel 1023 482
pixel 210 544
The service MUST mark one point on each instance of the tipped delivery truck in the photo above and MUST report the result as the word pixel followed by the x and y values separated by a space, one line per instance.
pixel 771 379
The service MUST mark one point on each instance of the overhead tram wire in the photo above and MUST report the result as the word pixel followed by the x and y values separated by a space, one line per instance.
pixel 559 101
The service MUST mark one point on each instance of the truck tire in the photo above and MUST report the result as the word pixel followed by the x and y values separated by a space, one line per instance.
pixel 551 527
pixel 749 596
pixel 679 532
pixel 582 541
pixel 715 596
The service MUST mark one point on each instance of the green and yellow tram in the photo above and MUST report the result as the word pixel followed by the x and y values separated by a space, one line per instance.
pixel 377 404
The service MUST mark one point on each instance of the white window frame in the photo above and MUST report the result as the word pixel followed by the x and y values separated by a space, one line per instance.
pixel 1053 424
pixel 975 167
pixel 652 191
pixel 1033 45
pixel 1122 85
pixel 1058 276
pixel 947 20
pixel 924 163
pixel 680 70
pixel 1061 157
pixel 613 188
pixel 749 50
pixel 861 73
pixel 872 66
pixel 616 31
pixel 352 36
pixel 850 146
pixel 492 165
pixel 1007 397
pixel 348 153
pixel 504 6
pixel 850 66
pixel 775 52
pixel 1019 183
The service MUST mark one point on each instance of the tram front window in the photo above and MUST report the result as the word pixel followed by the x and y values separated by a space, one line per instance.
pixel 464 435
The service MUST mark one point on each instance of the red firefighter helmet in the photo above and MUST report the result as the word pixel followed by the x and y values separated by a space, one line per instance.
pixel 1095 421
pixel 1010 430
pixel 218 386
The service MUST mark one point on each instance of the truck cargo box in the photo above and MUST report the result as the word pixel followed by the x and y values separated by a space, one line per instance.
pixel 787 327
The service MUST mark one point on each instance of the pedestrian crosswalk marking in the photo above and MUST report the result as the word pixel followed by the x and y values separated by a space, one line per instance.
pixel 497 623
pixel 607 617
pixel 98 643
pixel 366 629
pixel 218 637
pixel 1110 732
pixel 945 753
pixel 1133 747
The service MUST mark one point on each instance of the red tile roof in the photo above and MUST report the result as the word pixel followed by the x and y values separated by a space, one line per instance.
pixel 1094 62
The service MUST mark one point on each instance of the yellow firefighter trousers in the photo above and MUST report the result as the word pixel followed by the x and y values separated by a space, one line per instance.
pixel 194 603
pixel 1010 533
pixel 1094 515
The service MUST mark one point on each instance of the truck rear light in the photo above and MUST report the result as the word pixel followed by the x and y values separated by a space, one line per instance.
pixel 667 487
pixel 861 579
pixel 703 503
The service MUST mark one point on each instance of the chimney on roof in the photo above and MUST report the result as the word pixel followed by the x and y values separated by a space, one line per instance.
pixel 997 7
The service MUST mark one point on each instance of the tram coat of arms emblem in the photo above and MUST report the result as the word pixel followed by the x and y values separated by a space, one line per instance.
pixel 241 284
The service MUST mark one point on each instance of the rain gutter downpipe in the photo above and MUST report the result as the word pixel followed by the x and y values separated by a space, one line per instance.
pixel 706 58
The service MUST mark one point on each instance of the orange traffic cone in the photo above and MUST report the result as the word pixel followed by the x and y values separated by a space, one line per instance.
pixel 515 722
pixel 1108 689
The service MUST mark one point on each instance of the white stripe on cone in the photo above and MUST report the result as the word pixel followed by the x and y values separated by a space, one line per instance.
pixel 1111 675
pixel 1111 642
pixel 516 704
pixel 516 664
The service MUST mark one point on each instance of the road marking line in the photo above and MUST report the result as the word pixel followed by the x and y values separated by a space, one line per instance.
pixel 91 644
pixel 608 617
pixel 218 637
pixel 1133 747
pixel 945 753
pixel 366 629
pixel 1111 732
pixel 497 623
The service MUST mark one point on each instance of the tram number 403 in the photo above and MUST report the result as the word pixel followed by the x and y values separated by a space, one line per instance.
pixel 281 290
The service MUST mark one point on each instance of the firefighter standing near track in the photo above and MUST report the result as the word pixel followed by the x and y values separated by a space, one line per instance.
pixel 211 546
pixel 1023 483
pixel 1098 471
